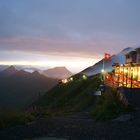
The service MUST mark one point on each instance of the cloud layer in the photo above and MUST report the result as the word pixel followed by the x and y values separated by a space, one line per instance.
pixel 85 28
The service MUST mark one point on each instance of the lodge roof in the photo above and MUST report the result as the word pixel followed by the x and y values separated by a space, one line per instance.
pixel 138 48
pixel 131 52
pixel 126 65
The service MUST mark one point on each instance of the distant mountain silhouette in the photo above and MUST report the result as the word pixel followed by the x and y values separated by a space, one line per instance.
pixel 9 71
pixel 20 88
pixel 2 67
pixel 57 72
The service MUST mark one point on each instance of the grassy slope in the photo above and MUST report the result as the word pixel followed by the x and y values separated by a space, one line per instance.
pixel 71 97
pixel 78 96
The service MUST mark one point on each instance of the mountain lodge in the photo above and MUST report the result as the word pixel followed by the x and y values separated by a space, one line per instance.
pixel 128 74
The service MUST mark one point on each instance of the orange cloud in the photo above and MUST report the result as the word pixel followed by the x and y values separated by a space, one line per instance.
pixel 51 46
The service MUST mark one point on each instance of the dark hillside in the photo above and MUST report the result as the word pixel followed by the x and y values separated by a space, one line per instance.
pixel 20 88
pixel 73 96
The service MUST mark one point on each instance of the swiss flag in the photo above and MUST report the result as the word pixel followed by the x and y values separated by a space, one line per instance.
pixel 107 56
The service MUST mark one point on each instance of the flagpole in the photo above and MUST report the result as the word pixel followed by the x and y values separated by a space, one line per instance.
pixel 103 70
pixel 103 64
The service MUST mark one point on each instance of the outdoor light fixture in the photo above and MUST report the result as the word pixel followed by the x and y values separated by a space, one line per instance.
pixel 84 77
pixel 71 79
pixel 102 75
pixel 64 81
pixel 102 70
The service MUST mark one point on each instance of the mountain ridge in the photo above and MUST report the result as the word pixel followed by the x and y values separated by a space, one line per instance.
pixel 57 72
pixel 20 88
pixel 9 71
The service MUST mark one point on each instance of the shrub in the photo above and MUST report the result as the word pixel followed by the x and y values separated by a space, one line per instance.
pixel 108 107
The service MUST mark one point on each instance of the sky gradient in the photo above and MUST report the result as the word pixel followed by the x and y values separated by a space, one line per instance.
pixel 74 33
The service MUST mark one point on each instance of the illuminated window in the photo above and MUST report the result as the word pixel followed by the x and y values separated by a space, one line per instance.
pixel 138 73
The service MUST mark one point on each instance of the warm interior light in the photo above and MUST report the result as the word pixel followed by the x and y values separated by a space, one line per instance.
pixel 139 74
pixel 125 70
pixel 64 81
pixel 121 69
pixel 84 77
pixel 135 72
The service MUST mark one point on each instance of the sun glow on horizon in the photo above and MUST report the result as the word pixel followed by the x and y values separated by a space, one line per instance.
pixel 73 65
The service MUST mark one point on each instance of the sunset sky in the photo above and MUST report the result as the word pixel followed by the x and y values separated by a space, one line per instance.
pixel 71 33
